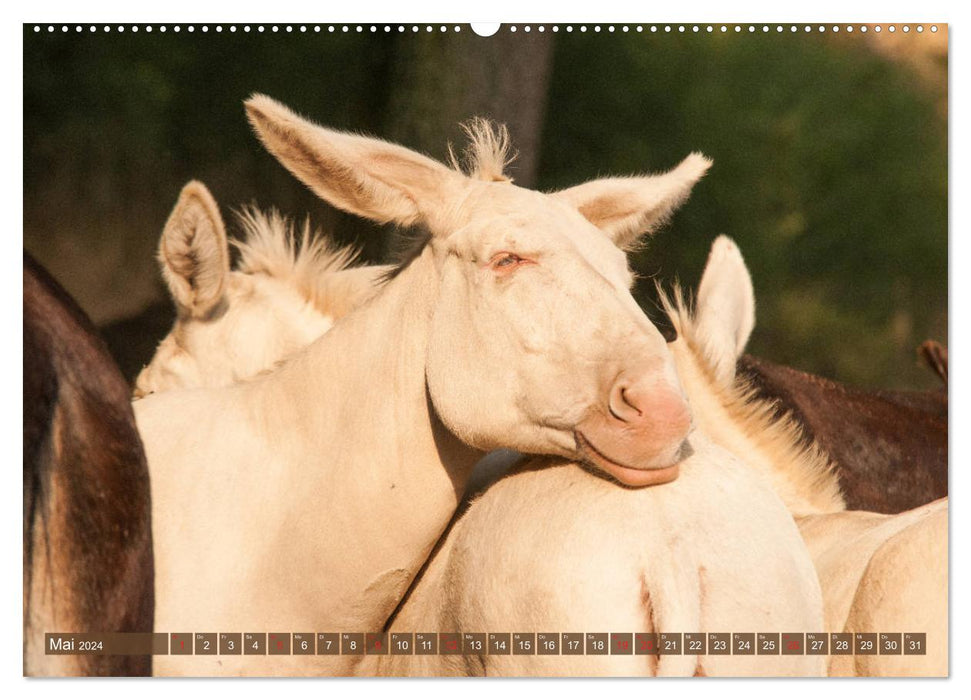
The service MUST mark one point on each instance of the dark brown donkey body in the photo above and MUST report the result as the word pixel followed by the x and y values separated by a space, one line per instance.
pixel 87 529
pixel 890 447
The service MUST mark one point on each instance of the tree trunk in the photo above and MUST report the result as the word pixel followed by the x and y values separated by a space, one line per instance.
pixel 440 79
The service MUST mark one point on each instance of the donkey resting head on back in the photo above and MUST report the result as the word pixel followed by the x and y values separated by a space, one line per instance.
pixel 511 326
pixel 529 552
pixel 532 314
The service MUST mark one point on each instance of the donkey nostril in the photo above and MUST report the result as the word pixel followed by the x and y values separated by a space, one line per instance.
pixel 623 395
pixel 621 405
pixel 610 407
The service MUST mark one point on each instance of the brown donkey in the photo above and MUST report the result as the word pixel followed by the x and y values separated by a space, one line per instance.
pixel 87 530
pixel 889 447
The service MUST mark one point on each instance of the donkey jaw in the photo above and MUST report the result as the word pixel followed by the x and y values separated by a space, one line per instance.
pixel 667 468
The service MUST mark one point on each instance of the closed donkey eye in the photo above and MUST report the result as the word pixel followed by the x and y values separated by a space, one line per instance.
pixel 506 262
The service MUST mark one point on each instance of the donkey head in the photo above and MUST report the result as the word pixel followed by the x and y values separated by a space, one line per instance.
pixel 535 342
pixel 231 325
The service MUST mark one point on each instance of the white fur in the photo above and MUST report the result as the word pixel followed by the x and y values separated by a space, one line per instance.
pixel 842 544
pixel 726 308
pixel 284 293
pixel 884 573
pixel 553 548
pixel 318 489
pixel 626 207
pixel 556 549
pixel 878 572
pixel 193 252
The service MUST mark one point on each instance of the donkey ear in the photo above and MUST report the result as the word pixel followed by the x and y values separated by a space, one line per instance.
pixel 364 176
pixel 626 208
pixel 725 310
pixel 194 253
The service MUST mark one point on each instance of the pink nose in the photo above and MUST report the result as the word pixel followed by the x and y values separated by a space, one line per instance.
pixel 652 408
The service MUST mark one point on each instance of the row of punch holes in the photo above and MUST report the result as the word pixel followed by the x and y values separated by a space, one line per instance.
pixel 401 28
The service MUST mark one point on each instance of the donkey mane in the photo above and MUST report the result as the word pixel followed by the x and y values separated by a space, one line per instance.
pixel 487 153
pixel 273 246
pixel 793 453
pixel 484 157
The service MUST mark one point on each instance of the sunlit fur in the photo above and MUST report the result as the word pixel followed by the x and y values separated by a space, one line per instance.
pixel 883 573
pixel 671 589
pixel 551 547
pixel 488 151
pixel 316 491
pixel 750 427
pixel 841 544
pixel 288 287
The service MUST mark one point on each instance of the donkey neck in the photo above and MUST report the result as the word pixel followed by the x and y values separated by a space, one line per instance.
pixel 748 427
pixel 379 473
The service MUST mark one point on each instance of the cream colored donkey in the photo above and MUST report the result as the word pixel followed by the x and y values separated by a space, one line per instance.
pixel 661 577
pixel 885 573
pixel 842 544
pixel 555 549
pixel 313 493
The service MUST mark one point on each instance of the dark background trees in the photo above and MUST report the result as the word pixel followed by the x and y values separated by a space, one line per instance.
pixel 830 157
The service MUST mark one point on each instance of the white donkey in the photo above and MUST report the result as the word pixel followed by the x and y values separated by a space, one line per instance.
pixel 552 548
pixel 507 564
pixel 287 289
pixel 878 572
pixel 716 291
pixel 842 544
pixel 885 573
pixel 312 494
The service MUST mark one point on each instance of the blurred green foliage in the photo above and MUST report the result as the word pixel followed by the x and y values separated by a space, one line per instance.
pixel 830 161
pixel 830 172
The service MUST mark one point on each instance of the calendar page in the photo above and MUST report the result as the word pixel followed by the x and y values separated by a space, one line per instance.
pixel 523 350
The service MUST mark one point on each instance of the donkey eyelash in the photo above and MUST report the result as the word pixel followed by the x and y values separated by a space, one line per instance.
pixel 506 261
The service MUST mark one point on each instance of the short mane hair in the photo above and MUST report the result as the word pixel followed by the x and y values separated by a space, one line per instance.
pixel 484 157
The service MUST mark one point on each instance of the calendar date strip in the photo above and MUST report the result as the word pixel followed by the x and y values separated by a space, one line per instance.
pixel 480 643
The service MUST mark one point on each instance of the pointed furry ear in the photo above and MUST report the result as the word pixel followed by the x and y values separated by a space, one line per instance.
pixel 364 176
pixel 626 208
pixel 194 253
pixel 725 310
